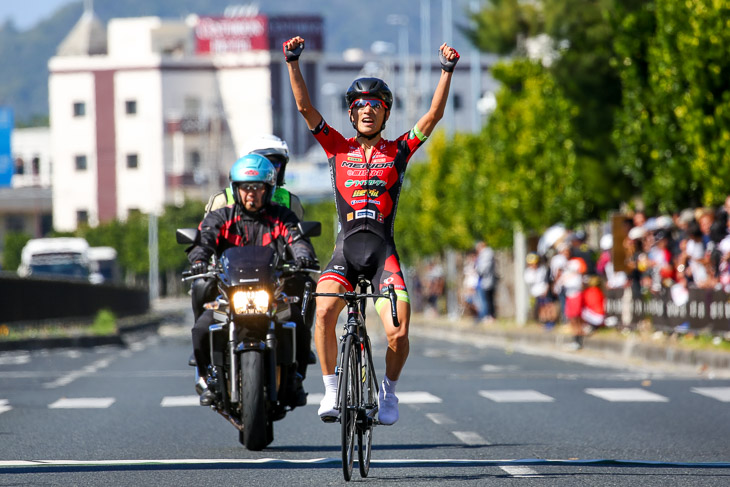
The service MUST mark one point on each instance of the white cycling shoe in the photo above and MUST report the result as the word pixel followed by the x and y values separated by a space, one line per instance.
pixel 327 411
pixel 387 407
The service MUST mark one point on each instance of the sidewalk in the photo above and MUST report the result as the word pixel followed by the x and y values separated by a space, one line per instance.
pixel 631 349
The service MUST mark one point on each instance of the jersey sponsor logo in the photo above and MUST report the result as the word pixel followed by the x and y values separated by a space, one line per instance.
pixel 366 214
pixel 381 218
pixel 360 165
pixel 356 202
pixel 364 182
pixel 364 172
pixel 373 193
pixel 354 158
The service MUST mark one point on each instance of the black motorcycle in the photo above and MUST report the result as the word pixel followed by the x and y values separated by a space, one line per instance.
pixel 253 342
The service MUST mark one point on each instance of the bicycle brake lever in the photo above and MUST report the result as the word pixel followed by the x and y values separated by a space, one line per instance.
pixel 393 309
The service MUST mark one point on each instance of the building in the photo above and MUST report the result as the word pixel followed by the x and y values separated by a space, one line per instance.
pixel 146 112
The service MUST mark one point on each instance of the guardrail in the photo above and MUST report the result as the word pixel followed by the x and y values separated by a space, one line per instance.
pixel 706 310
pixel 31 299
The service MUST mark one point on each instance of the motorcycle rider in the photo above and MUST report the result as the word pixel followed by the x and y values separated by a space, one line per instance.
pixel 251 220
pixel 367 173
pixel 276 151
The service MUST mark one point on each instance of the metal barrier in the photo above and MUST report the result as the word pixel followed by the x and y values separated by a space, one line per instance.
pixel 706 310
pixel 31 299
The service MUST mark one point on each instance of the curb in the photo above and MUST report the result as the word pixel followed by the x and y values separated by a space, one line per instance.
pixel 630 348
pixel 125 326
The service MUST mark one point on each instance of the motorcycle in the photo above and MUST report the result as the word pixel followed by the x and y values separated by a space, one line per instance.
pixel 253 341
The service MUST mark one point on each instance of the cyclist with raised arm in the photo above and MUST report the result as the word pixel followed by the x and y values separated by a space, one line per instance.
pixel 367 173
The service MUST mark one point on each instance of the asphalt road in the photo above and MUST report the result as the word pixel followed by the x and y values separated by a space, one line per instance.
pixel 471 414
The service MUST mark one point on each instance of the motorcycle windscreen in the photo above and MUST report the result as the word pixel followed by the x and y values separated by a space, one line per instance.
pixel 248 265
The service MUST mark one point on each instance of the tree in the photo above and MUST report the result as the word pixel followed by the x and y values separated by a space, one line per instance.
pixel 674 129
pixel 14 243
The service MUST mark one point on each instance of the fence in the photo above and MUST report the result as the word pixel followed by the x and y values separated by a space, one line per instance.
pixel 31 299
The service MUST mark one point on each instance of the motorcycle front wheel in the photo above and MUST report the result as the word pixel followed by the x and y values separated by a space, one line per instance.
pixel 253 406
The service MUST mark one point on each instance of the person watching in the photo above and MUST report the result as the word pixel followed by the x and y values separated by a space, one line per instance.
pixel 252 220
pixel 367 174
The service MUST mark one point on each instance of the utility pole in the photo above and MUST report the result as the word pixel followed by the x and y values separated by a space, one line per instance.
pixel 446 8
pixel 425 78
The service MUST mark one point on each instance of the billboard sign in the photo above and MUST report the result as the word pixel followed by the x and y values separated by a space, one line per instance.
pixel 218 35
pixel 6 156
pixel 309 27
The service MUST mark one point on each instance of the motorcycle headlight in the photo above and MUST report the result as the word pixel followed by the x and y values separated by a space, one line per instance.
pixel 250 302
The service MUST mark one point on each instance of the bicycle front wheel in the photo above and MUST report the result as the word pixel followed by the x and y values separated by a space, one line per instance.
pixel 349 388
pixel 370 398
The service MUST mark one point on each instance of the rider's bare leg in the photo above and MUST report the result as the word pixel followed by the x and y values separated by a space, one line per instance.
pixel 398 344
pixel 325 334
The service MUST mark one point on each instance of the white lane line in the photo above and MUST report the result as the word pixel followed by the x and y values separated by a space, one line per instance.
pixel 520 395
pixel 177 401
pixel 15 358
pixel 82 403
pixel 72 376
pixel 520 472
pixel 719 393
pixel 414 397
pixel 470 437
pixel 439 418
pixel 626 395
pixel 5 406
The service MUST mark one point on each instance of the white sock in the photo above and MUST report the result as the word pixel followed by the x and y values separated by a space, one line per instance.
pixel 330 383
pixel 389 385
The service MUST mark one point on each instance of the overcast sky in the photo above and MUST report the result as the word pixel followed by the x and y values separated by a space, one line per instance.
pixel 27 13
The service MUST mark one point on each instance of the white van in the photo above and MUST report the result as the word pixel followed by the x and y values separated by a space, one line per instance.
pixel 58 257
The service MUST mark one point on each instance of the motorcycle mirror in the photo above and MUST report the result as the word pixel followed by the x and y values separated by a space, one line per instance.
pixel 310 229
pixel 186 235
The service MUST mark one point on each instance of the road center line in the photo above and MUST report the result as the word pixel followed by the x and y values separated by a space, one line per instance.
pixel 470 437
pixel 520 472
pixel 72 376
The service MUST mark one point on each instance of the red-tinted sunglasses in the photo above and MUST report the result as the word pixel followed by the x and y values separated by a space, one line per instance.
pixel 363 102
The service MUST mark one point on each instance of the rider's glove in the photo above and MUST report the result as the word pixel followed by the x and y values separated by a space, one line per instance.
pixel 292 55
pixel 447 65
pixel 199 267
pixel 307 263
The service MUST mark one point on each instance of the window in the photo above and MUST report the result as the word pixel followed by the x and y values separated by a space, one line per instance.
pixel 458 101
pixel 35 165
pixel 82 217
pixel 80 163
pixel 132 161
pixel 194 158
pixel 14 223
pixel 79 109
pixel 130 107
pixel 19 166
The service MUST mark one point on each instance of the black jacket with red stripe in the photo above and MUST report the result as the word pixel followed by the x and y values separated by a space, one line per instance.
pixel 274 226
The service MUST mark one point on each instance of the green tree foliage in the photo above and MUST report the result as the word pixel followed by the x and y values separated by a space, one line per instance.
pixel 14 243
pixel 502 25
pixel 674 130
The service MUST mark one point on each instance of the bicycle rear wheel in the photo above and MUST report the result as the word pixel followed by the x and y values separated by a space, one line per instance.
pixel 369 395
pixel 349 388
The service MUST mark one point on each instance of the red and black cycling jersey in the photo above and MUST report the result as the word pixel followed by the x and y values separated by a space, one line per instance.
pixel 367 191
pixel 274 226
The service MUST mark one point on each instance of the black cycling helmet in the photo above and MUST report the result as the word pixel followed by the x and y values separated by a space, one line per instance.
pixel 369 87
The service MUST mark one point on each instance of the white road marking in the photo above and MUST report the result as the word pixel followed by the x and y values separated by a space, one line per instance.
pixel 627 395
pixel 470 437
pixel 399 462
pixel 72 376
pixel 176 401
pixel 82 403
pixel 18 358
pixel 520 472
pixel 414 397
pixel 719 393
pixel 439 418
pixel 498 368
pixel 525 395
pixel 5 406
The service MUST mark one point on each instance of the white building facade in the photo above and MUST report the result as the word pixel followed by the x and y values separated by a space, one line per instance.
pixel 147 112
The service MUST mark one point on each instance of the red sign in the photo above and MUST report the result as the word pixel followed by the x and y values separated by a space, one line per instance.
pixel 216 35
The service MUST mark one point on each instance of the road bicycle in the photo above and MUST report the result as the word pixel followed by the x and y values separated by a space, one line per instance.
pixel 357 384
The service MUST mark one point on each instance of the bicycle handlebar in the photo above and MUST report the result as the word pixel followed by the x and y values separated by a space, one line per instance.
pixel 352 296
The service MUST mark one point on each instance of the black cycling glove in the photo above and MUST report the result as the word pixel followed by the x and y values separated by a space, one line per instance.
pixel 292 55
pixel 447 65
pixel 199 267
pixel 307 263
